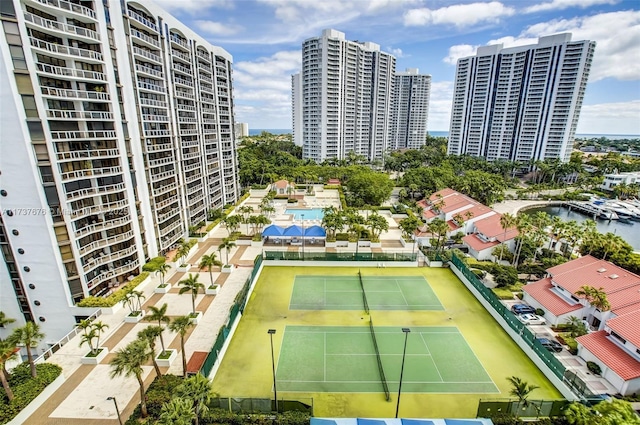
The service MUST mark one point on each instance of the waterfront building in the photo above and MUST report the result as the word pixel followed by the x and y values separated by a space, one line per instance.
pixel 241 129
pixel 409 110
pixel 614 179
pixel 520 103
pixel 117 125
pixel 344 95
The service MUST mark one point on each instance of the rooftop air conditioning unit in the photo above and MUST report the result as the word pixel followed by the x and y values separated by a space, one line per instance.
pixel 602 270
pixel 614 276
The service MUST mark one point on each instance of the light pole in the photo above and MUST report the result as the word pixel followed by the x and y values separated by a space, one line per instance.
pixel 273 366
pixel 302 215
pixel 404 352
pixel 117 410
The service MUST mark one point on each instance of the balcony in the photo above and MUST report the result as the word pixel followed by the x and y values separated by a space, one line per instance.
pixel 87 154
pixel 74 94
pixel 192 177
pixel 152 102
pixel 196 188
pixel 91 172
pixel 149 71
pixel 205 79
pixel 155 118
pixel 164 189
pixel 183 81
pixel 166 202
pixel 79 115
pixel 189 143
pixel 161 176
pixel 105 242
pixel 66 50
pixel 188 131
pixel 141 19
pixel 184 94
pixel 191 167
pixel 191 155
pixel 205 56
pixel 156 133
pixel 147 54
pixel 187 120
pixel 74 135
pixel 161 161
pixel 102 190
pixel 103 225
pixel 99 209
pixel 145 38
pixel 108 275
pixel 185 107
pixel 93 263
pixel 151 87
pixel 59 26
pixel 181 68
pixel 181 55
pixel 206 88
pixel 179 41
pixel 175 225
pixel 71 7
pixel 159 148
pixel 162 217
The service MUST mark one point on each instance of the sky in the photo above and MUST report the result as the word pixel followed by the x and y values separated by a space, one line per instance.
pixel 265 39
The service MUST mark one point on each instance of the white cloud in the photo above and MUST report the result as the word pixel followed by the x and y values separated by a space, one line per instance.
pixel 460 15
pixel 398 53
pixel 606 118
pixel 193 6
pixel 617 35
pixel 440 105
pixel 565 4
pixel 218 28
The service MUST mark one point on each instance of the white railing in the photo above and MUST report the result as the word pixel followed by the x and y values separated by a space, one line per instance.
pixel 96 134
pixel 75 115
pixel 96 209
pixel 179 41
pixel 145 37
pixel 95 191
pixel 165 202
pixel 188 131
pixel 153 102
pixel 104 225
pixel 146 22
pixel 186 95
pixel 156 133
pixel 72 7
pixel 183 82
pixel 164 189
pixel 181 55
pixel 179 67
pixel 168 229
pixel 93 263
pixel 91 153
pixel 147 54
pixel 204 56
pixel 182 106
pixel 165 216
pixel 207 88
pixel 55 25
pixel 76 94
pixel 191 167
pixel 105 242
pixel 111 273
pixel 161 161
pixel 191 155
pixel 153 117
pixel 148 86
pixel 194 189
pixel 161 176
pixel 150 71
pixel 158 148
pixel 205 78
pixel 65 50
pixel 90 172
pixel 65 339
pixel 187 119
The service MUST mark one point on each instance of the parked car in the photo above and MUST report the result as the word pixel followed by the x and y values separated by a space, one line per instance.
pixel 531 319
pixel 522 309
pixel 550 345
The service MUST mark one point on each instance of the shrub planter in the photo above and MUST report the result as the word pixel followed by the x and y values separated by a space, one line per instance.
pixel 202 239
pixel 245 242
pixel 184 267
pixel 166 359
pixel 134 317
pixel 195 318
pixel 228 268
pixel 162 289
pixel 89 358
pixel 328 244
pixel 212 290
pixel 376 244
pixel 256 243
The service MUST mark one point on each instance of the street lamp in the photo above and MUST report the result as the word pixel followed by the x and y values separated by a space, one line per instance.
pixel 117 410
pixel 404 352
pixel 273 366
pixel 302 215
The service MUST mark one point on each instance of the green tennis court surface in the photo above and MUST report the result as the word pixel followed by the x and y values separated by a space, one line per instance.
pixel 342 359
pixel 345 293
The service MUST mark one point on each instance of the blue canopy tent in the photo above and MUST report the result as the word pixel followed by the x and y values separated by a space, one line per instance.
pixel 272 230
pixel 418 422
pixel 315 232
pixel 294 231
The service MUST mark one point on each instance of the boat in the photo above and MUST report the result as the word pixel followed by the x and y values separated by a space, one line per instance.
pixel 624 210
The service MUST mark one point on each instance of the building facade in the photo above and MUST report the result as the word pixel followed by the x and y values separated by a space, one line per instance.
pixel 409 110
pixel 345 92
pixel 117 136
pixel 520 103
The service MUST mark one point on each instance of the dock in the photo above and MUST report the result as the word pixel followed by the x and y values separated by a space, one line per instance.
pixel 592 210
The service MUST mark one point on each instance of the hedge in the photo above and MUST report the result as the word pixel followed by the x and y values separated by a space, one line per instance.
pixel 332 186
pixel 213 224
pixel 115 297
pixel 153 264
pixel 25 388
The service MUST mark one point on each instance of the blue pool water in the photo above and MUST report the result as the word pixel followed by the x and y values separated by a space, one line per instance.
pixel 309 214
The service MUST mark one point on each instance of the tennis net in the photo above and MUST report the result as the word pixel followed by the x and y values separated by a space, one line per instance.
pixel 364 295
pixel 383 379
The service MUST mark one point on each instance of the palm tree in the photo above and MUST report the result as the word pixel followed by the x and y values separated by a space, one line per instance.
pixel 162 270
pixel 4 321
pixel 208 262
pixel 150 334
pixel 8 352
pixel 158 314
pixel 507 221
pixel 92 332
pixel 129 361
pixel 521 390
pixel 227 245
pixel 596 297
pixel 181 325
pixel 377 224
pixel 192 285
pixel 183 252
pixel 579 414
pixel 246 211
pixel 28 335
pixel 196 389
pixel 438 228
pixel 177 411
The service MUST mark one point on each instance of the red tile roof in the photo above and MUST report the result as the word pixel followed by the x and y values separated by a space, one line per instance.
pixel 476 244
pixel 591 271
pixel 429 214
pixel 457 202
pixel 443 193
pixel 452 225
pixel 627 326
pixel 282 184
pixel 491 228
pixel 614 357
pixel 541 292
pixel 476 211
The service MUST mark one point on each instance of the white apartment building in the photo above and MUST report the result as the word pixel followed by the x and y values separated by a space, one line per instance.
pixel 117 134
pixel 345 92
pixel 296 109
pixel 520 103
pixel 409 110
pixel 614 179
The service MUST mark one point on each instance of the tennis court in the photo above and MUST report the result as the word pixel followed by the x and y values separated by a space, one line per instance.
pixel 345 293
pixel 344 359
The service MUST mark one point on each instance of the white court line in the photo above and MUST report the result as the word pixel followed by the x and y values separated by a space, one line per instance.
pixel 392 382
pixel 432 361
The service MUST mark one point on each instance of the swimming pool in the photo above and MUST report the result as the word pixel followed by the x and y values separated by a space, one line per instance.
pixel 309 214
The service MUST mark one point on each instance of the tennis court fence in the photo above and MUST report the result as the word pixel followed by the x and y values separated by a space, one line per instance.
pixel 341 256
pixel 261 405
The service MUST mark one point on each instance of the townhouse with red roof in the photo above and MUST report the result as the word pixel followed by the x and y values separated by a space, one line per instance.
pixel 283 187
pixel 487 234
pixel 615 344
